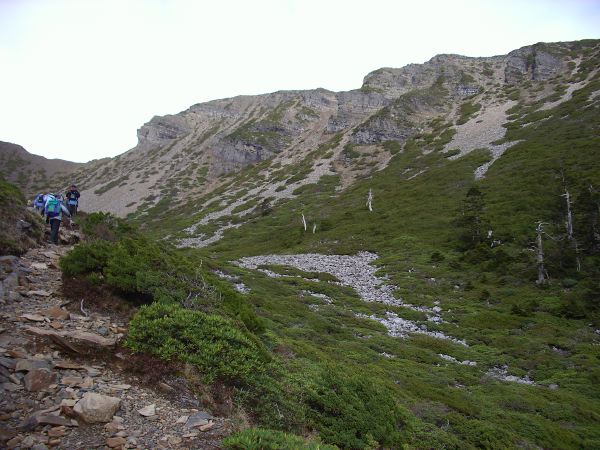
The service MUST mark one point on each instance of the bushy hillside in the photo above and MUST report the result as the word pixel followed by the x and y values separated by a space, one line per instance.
pixel 20 229
pixel 414 267
pixel 527 376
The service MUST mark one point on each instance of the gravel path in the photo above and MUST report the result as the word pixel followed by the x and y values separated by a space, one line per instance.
pixel 41 379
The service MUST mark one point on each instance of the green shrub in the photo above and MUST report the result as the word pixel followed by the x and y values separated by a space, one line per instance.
pixel 350 411
pixel 87 258
pixel 261 439
pixel 144 270
pixel 211 343
pixel 10 191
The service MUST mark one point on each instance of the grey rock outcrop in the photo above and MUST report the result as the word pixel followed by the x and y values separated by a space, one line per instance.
pixel 533 62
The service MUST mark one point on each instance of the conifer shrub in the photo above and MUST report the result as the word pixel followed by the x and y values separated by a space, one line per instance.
pixel 143 270
pixel 263 439
pixel 220 350
pixel 350 411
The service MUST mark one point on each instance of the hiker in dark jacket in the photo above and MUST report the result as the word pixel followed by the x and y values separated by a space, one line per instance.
pixel 72 197
pixel 54 209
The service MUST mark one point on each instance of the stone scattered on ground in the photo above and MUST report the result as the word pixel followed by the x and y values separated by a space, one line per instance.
pixel 55 393
pixel 357 272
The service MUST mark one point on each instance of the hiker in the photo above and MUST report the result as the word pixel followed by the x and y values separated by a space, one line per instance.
pixel 39 202
pixel 72 196
pixel 54 209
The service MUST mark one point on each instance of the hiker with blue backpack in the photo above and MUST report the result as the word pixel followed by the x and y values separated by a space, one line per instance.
pixel 72 196
pixel 54 209
pixel 39 203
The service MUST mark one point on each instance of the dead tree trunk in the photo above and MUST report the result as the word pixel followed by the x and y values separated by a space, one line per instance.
pixel 370 200
pixel 542 274
pixel 304 221
pixel 569 225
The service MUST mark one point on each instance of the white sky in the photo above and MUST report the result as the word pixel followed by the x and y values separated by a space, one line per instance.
pixel 77 78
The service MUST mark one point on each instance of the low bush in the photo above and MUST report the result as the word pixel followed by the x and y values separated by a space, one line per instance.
pixel 262 439
pixel 350 411
pixel 212 343
pixel 143 270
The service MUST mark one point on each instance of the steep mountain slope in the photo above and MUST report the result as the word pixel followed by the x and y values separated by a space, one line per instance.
pixel 185 156
pixel 458 308
pixel 31 173
pixel 453 320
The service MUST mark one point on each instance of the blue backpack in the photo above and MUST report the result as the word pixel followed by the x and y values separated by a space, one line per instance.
pixel 53 208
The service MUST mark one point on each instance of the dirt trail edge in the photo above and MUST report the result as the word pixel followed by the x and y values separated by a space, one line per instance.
pixel 61 379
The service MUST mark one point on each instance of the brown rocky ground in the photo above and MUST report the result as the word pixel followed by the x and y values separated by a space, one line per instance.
pixel 66 382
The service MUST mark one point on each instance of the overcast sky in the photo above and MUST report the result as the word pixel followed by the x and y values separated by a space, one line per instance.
pixel 77 78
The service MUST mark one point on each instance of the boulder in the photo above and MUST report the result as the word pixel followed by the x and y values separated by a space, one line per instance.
pixel 96 408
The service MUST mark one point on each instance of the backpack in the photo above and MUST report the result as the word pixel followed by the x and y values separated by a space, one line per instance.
pixel 53 208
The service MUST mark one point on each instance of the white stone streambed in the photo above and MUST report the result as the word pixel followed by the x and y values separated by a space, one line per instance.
pixel 356 272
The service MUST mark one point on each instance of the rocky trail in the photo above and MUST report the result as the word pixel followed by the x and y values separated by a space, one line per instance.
pixel 62 377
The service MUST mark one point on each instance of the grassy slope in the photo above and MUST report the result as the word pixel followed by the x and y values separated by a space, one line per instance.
pixel 413 218
pixel 452 405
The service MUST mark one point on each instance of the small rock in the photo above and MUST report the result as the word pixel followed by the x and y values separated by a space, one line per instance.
pixel 67 365
pixel 56 325
pixel 14 442
pixel 88 383
pixel 39 447
pixel 57 432
pixel 115 442
pixel 57 313
pixel 175 440
pixel 120 387
pixel 94 408
pixel 165 387
pixel 182 419
pixel 28 442
pixel 44 419
pixel 39 379
pixel 147 411
pixel 198 419
pixel 92 372
pixel 7 434
pixel 40 293
pixel 18 353
pixel 206 427
pixel 26 365
pixel 71 381
pixel 33 317
pixel 11 387
pixel 39 266
pixel 103 331
pixel 9 363
pixel 68 402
